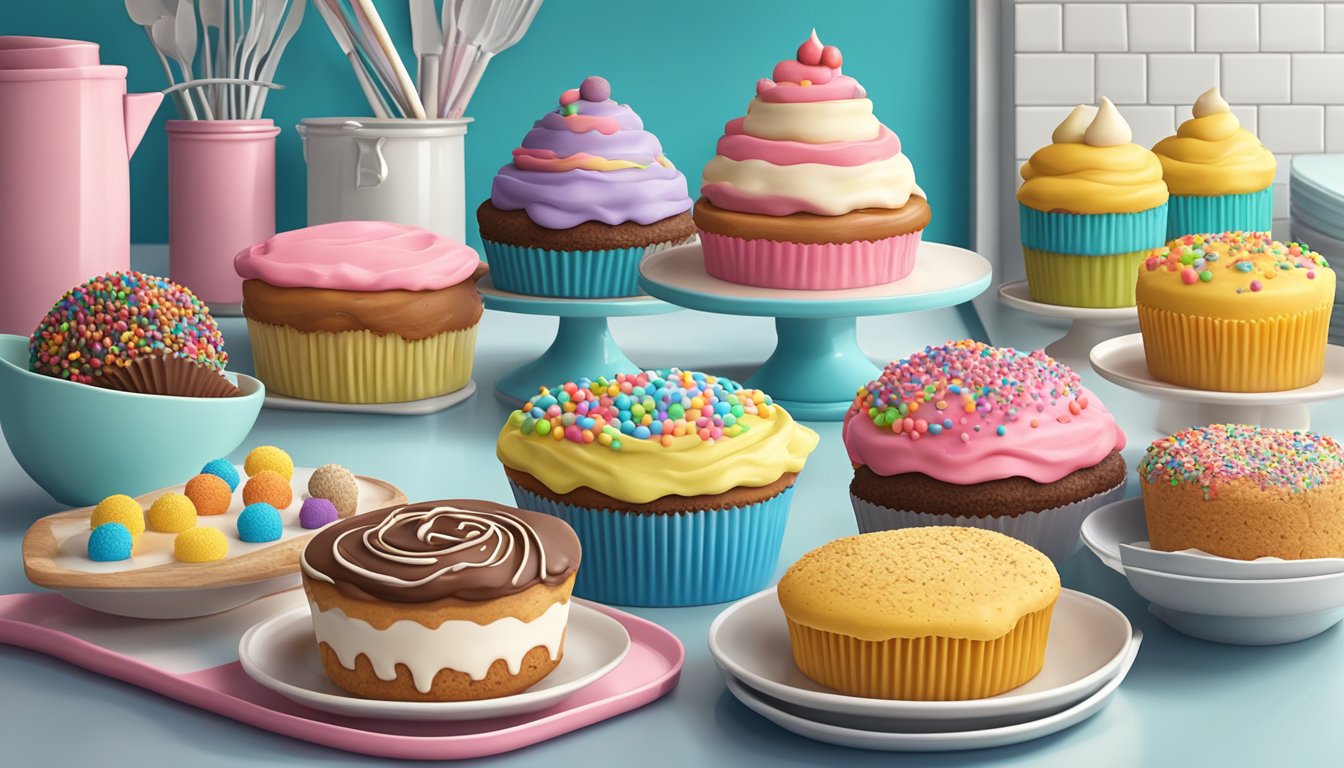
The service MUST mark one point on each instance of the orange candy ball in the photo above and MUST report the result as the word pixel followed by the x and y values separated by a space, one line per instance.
pixel 269 487
pixel 209 493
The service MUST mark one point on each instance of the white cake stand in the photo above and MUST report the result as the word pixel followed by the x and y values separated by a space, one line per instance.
pixel 1089 326
pixel 1121 362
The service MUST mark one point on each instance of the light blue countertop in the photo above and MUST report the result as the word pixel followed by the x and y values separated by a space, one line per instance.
pixel 1186 702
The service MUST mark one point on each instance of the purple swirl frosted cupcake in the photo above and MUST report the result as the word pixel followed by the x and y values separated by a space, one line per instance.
pixel 587 195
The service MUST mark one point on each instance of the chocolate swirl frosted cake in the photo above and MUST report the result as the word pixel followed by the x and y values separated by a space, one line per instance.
pixel 441 601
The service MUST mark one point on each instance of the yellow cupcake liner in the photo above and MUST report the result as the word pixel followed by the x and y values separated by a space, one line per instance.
pixel 360 366
pixel 1224 355
pixel 1083 281
pixel 923 668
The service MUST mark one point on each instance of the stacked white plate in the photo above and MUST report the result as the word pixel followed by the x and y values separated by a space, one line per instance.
pixel 1091 649
pixel 1242 602
pixel 1316 185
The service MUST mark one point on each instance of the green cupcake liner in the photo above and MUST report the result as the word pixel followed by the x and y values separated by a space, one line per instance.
pixel 1099 282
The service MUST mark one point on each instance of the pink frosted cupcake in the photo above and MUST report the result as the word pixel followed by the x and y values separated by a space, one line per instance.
pixel 809 191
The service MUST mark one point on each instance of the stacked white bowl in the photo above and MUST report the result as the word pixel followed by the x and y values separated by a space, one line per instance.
pixel 1316 185
pixel 1241 602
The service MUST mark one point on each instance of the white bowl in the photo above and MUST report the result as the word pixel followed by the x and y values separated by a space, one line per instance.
pixel 1235 630
pixel 1248 598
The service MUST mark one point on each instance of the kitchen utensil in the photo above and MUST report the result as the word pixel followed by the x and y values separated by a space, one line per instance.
pixel 146 13
pixel 510 21
pixel 403 80
pixel 427 42
pixel 347 45
pixel 272 58
pixel 357 24
pixel 163 32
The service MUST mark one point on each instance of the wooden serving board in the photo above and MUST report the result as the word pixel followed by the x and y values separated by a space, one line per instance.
pixel 54 549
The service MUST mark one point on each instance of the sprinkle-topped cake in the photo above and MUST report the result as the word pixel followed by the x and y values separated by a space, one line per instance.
pixel 1214 308
pixel 650 466
pixel 969 434
pixel 1245 492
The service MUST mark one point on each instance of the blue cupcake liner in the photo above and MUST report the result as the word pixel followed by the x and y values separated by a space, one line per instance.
pixel 665 561
pixel 1093 234
pixel 564 274
pixel 1196 215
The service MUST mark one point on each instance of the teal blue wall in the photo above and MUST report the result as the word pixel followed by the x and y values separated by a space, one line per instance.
pixel 687 67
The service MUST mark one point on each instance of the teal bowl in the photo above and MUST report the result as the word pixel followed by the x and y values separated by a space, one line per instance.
pixel 84 443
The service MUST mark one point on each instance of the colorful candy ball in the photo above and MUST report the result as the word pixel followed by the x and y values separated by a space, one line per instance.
pixel 119 508
pixel 200 545
pixel 269 487
pixel 209 493
pixel 317 512
pixel 260 522
pixel 337 485
pixel 223 469
pixel 269 458
pixel 171 513
pixel 110 542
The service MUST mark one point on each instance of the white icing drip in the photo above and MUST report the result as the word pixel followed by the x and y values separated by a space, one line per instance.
pixel 464 646
pixel 311 571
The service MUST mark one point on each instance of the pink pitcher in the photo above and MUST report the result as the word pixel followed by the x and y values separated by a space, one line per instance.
pixel 65 211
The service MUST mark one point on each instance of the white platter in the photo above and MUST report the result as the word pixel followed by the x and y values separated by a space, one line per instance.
pixel 788 717
pixel 1089 641
pixel 409 408
pixel 281 654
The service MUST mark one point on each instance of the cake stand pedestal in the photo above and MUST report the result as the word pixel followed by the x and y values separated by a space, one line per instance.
pixel 817 365
pixel 583 346
pixel 1121 362
pixel 1089 326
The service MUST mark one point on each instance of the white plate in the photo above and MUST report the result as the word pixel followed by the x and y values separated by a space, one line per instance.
pixel 408 408
pixel 780 714
pixel 1237 630
pixel 1089 640
pixel 1018 296
pixel 1248 598
pixel 281 654
pixel 178 603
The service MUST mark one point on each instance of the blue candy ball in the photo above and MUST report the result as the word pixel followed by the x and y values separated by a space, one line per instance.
pixel 110 542
pixel 259 522
pixel 224 470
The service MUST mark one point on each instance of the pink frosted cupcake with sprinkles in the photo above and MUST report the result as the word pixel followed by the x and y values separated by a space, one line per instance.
pixel 809 190
pixel 678 483
pixel 989 437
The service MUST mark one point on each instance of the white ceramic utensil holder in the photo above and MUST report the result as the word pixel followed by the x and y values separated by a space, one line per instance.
pixel 385 169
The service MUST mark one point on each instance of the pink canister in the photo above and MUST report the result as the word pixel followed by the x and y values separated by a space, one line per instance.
pixel 221 199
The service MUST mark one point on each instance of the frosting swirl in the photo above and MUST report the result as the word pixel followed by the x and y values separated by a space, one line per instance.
pixel 466 549
pixel 1211 154
pixel 809 143
pixel 1095 170
pixel 590 160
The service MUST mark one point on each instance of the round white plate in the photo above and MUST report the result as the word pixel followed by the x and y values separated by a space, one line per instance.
pixel 1090 326
pixel 178 603
pixel 281 654
pixel 786 716
pixel 1089 640
pixel 408 408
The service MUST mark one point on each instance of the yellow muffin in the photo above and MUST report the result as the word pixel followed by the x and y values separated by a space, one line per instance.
pixel 1235 312
pixel 929 614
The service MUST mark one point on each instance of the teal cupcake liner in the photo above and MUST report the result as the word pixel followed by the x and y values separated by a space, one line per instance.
pixel 1197 215
pixel 669 560
pixel 564 274
pixel 1093 234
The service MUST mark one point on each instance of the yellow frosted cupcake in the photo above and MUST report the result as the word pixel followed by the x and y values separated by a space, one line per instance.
pixel 1235 312
pixel 1219 174
pixel 925 614
pixel 1091 206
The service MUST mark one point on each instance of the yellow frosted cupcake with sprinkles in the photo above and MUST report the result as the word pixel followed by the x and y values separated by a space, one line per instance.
pixel 678 483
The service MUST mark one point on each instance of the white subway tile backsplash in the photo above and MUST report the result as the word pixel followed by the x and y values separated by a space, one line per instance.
pixel 1034 126
pixel 1256 78
pixel 1163 27
pixel 1225 27
pixel 1039 28
pixel 1292 27
pixel 1282 167
pixel 1334 129
pixel 1054 78
pixel 1122 77
pixel 1280 201
pixel 1094 27
pixel 1293 128
pixel 1179 78
pixel 1334 27
pixel 1150 124
pixel 1318 78
pixel 1246 115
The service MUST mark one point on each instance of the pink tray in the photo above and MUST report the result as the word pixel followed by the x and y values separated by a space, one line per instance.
pixel 50 624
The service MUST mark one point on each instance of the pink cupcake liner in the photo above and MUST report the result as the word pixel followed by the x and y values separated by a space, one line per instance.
pixel 809 266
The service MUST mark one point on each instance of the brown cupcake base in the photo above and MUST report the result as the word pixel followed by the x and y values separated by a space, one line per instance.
pixel 1245 522
pixel 867 224
pixel 516 228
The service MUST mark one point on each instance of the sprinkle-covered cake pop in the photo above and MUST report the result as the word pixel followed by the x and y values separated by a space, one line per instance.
pixel 101 329
pixel 337 485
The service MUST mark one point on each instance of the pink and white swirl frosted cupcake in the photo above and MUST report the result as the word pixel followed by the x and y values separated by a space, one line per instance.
pixel 809 190
pixel 987 437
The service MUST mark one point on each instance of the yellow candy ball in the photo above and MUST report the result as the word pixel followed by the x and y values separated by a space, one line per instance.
pixel 269 457
pixel 200 545
pixel 119 508
pixel 171 513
